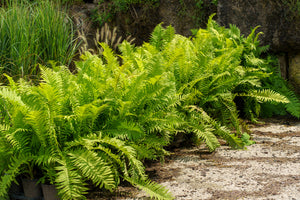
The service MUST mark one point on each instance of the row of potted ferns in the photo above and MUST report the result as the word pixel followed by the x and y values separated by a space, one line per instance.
pixel 33 190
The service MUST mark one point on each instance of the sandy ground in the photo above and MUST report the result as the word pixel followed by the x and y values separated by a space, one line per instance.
pixel 267 170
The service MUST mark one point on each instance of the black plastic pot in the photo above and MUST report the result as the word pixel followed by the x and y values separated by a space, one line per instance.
pixel 49 192
pixel 15 191
pixel 32 189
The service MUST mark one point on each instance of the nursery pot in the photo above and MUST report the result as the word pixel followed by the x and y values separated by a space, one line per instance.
pixel 50 192
pixel 15 191
pixel 32 189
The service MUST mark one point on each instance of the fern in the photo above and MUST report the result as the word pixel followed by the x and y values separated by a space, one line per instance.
pixel 281 86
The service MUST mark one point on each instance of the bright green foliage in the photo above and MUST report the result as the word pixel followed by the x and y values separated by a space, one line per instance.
pixel 85 126
pixel 246 139
pixel 33 33
pixel 212 71
pixel 102 122
pixel 281 86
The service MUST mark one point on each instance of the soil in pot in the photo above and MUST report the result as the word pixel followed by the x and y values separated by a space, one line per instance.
pixel 32 189
pixel 49 192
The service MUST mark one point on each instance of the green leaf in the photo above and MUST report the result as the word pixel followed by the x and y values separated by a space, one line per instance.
pixel 246 139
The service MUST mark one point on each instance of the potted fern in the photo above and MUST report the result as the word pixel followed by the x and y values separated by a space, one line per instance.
pixel 48 183
pixel 56 126
pixel 30 181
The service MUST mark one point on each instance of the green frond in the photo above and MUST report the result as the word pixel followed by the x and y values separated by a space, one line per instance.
pixel 68 181
pixel 235 32
pixel 153 189
pixel 227 99
pixel 251 81
pixel 126 130
pixel 38 120
pixel 266 95
pixel 13 98
pixel 199 123
pixel 127 51
pixel 293 107
pixel 88 113
pixel 12 83
pixel 11 173
pixel 20 140
pixel 206 134
pixel 252 37
pixel 136 167
pixel 93 168
pixel 251 60
pixel 233 141
pixel 210 22
pixel 109 56
pixel 160 36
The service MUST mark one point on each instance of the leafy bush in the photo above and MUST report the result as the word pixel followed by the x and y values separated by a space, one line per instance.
pixel 32 34
pixel 75 127
pixel 212 71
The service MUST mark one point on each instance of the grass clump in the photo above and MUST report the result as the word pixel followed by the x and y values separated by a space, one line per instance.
pixel 32 34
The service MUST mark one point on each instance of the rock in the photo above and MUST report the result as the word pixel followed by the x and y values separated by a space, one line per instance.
pixel 279 21
pixel 185 15
pixel 171 13
pixel 294 71
pixel 283 63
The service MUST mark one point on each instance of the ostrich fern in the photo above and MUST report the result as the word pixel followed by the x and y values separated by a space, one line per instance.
pixel 102 122
pixel 53 123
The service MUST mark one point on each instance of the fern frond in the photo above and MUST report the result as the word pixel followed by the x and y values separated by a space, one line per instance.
pixel 153 189
pixel 233 141
pixel 136 166
pixel 206 134
pixel 160 36
pixel 266 95
pixel 293 107
pixel 38 120
pixel 235 32
pixel 20 140
pixel 93 168
pixel 68 181
pixel 126 130
pixel 112 62
pixel 13 98
pixel 251 60
pixel 11 173
pixel 226 99
pixel 199 124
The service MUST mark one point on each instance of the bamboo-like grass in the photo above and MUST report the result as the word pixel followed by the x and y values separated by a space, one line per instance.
pixel 33 34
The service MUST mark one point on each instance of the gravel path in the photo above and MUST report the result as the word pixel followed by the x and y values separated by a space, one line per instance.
pixel 267 170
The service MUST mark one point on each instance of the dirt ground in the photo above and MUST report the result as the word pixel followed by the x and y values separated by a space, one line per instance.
pixel 267 170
